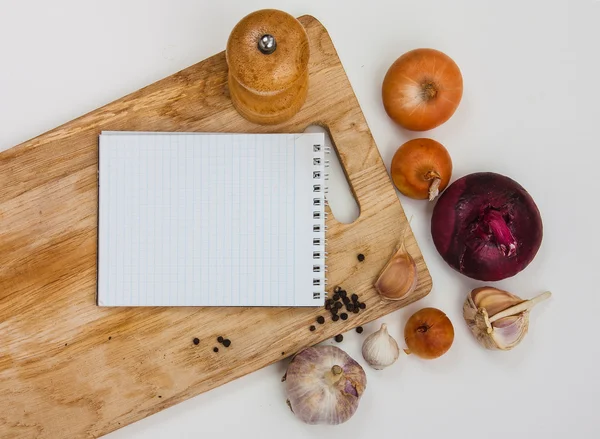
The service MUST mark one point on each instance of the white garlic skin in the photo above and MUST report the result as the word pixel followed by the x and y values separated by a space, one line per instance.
pixel 497 318
pixel 502 335
pixel 380 349
pixel 324 385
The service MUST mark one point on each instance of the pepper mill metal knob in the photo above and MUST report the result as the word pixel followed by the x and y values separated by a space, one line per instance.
pixel 267 44
pixel 267 55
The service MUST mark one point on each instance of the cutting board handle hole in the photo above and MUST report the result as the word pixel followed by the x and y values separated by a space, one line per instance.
pixel 340 197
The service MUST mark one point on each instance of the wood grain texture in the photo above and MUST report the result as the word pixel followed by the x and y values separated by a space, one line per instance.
pixel 69 369
pixel 268 89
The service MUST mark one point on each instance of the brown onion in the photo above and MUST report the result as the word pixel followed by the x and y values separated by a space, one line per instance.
pixel 428 333
pixel 421 169
pixel 422 89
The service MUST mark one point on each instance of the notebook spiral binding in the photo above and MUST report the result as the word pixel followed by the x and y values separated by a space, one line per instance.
pixel 320 177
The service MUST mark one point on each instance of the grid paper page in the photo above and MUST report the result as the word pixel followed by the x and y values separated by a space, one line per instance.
pixel 208 220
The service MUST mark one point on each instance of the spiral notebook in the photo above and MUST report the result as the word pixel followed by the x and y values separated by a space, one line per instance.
pixel 191 219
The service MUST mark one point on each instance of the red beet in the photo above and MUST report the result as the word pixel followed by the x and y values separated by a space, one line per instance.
pixel 487 226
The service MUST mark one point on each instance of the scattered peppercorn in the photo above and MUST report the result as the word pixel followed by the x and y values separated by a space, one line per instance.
pixel 354 298
pixel 320 320
pixel 337 289
pixel 356 310
pixel 344 316
pixel 226 342
pixel 363 306
pixel 359 329
pixel 335 317
pixel 215 349
pixel 338 305
pixel 220 339
pixel 336 296
pixel 334 310
pixel 327 306
pixel 350 307
pixel 360 257
pixel 342 293
pixel 312 327
pixel 196 341
pixel 339 338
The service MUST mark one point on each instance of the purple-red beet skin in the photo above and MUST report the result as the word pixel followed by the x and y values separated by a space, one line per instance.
pixel 487 226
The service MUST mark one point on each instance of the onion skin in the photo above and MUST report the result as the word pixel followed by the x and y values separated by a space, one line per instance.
pixel 486 226
pixel 416 164
pixel 324 385
pixel 429 333
pixel 422 89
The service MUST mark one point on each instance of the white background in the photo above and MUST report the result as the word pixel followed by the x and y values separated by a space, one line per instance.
pixel 530 110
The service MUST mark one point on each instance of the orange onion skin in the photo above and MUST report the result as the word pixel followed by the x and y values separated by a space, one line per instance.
pixel 422 89
pixel 429 333
pixel 416 163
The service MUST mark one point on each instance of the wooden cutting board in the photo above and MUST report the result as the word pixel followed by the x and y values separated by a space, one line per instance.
pixel 69 369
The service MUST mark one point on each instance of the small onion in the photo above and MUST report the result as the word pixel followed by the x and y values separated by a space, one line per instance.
pixel 324 385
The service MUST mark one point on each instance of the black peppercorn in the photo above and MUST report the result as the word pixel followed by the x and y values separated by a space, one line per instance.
pixel 339 338
pixel 220 339
pixel 215 349
pixel 350 307
pixel 344 316
pixel 338 305
pixel 342 293
pixel 226 342
pixel 334 310
pixel 196 340
pixel 320 320
pixel 338 288
pixel 327 306
pixel 335 317
pixel 336 297
pixel 363 306
pixel 345 300
pixel 312 327
pixel 360 257
pixel 359 329
pixel 356 310
pixel 354 298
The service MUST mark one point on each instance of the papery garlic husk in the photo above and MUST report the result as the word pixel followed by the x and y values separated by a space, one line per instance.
pixel 497 318
pixel 324 385
pixel 399 276
pixel 380 349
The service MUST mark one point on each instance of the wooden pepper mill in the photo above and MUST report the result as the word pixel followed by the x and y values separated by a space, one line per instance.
pixel 267 54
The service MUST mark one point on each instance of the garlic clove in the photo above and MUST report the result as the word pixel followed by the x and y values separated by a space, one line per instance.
pixel 493 299
pixel 509 331
pixel 380 349
pixel 497 318
pixel 399 276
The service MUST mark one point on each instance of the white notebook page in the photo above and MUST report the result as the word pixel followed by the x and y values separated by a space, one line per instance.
pixel 209 220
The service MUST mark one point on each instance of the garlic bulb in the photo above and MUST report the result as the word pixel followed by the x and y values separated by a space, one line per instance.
pixel 380 349
pixel 497 318
pixel 324 385
pixel 399 276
